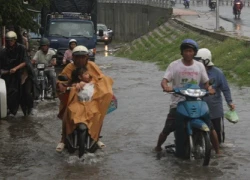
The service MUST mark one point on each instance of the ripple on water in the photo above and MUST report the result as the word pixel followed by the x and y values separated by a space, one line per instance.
pixel 88 158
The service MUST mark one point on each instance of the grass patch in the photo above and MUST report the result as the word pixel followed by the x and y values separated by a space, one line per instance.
pixel 231 55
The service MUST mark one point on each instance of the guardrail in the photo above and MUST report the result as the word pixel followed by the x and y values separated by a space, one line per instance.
pixel 155 3
pixel 166 3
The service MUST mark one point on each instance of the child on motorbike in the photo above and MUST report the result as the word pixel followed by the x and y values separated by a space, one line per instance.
pixel 81 76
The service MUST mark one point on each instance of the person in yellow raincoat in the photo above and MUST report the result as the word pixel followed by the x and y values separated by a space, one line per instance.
pixel 91 113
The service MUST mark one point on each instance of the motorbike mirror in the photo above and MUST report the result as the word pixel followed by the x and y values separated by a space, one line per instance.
pixel 100 32
pixel 62 78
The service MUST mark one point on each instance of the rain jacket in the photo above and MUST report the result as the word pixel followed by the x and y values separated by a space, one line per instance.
pixel 10 58
pixel 72 111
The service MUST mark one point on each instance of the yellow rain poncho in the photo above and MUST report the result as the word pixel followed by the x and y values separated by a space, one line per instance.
pixel 92 113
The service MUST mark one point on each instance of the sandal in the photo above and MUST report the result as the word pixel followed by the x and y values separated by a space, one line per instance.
pixel 60 147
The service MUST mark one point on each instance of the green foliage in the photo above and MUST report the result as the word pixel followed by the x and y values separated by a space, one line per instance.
pixel 160 21
pixel 14 12
pixel 232 55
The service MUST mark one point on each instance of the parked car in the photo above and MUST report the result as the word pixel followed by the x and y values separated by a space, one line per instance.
pixel 107 34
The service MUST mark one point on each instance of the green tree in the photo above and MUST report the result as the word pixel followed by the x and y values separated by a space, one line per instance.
pixel 14 12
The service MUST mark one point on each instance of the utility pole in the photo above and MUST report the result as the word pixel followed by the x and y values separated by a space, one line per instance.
pixel 217 16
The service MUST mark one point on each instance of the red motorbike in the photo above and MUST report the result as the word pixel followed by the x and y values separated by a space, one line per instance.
pixel 237 9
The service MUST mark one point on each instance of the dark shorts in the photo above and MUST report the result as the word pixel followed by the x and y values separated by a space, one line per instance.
pixel 218 124
pixel 170 122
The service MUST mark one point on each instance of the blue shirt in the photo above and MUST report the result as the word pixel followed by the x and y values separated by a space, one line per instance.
pixel 220 85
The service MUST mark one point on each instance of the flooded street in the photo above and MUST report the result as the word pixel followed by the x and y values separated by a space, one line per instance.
pixel 130 133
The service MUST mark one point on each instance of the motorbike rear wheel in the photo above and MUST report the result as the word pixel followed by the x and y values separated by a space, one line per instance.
pixel 82 137
pixel 201 147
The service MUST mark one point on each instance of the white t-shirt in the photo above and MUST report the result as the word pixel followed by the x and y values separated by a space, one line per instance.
pixel 179 75
pixel 40 57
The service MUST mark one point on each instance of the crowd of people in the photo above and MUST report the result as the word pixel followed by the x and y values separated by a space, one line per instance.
pixel 17 71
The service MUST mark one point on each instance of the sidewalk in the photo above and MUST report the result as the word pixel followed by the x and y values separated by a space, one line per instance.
pixel 208 21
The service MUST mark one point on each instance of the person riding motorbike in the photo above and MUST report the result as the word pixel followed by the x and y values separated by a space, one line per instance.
pixel 186 3
pixel 13 59
pixel 219 83
pixel 210 3
pixel 92 113
pixel 234 5
pixel 68 53
pixel 48 57
pixel 181 72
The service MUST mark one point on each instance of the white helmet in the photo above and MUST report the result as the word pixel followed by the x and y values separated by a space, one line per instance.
pixel 204 55
pixel 72 40
pixel 80 50
pixel 11 35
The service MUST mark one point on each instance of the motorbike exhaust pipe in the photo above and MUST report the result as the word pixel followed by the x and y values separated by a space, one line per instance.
pixel 101 144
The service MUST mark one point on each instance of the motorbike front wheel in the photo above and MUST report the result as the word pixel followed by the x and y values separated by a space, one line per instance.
pixel 82 137
pixel 201 146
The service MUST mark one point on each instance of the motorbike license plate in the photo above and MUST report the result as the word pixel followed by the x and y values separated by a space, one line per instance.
pixel 40 78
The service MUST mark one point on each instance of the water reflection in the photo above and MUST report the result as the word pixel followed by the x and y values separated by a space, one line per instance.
pixel 237 25
pixel 106 50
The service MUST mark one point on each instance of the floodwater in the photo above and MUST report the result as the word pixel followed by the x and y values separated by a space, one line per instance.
pixel 130 133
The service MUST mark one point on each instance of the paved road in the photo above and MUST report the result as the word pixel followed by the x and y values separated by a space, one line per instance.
pixel 202 16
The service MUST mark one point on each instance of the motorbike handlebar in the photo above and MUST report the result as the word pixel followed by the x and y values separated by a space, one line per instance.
pixel 4 71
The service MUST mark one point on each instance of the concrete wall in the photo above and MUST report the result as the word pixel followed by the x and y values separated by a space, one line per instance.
pixel 130 21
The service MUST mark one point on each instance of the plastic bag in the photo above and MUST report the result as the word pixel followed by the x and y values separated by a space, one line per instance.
pixel 113 105
pixel 87 92
pixel 231 116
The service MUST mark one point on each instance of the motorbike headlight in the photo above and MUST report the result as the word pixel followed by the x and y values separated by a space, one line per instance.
pixel 194 92
pixel 40 66
pixel 92 52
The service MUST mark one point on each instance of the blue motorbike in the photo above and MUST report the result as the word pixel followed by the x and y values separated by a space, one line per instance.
pixel 192 140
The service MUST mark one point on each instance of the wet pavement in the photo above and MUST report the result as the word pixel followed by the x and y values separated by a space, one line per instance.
pixel 130 133
pixel 201 16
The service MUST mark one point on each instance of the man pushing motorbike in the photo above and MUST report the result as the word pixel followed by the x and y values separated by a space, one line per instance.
pixel 13 59
pixel 179 73
pixel 91 113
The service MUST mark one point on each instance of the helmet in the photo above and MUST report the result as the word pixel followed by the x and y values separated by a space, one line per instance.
pixel 72 40
pixel 205 56
pixel 11 35
pixel 189 43
pixel 44 42
pixel 80 50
